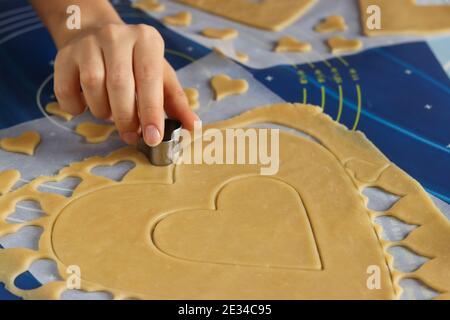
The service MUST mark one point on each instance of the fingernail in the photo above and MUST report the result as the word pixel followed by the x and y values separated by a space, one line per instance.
pixel 130 137
pixel 151 135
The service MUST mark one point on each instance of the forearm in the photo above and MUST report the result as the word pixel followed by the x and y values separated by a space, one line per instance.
pixel 54 16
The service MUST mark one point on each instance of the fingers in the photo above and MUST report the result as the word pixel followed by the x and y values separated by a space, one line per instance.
pixel 149 72
pixel 120 83
pixel 123 76
pixel 67 84
pixel 92 77
pixel 175 100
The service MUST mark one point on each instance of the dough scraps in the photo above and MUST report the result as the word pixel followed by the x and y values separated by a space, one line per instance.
pixel 222 34
pixel 26 143
pixel 121 234
pixel 94 132
pixel 273 15
pixel 332 23
pixel 8 179
pixel 406 17
pixel 192 96
pixel 340 45
pixel 290 44
pixel 224 86
pixel 181 19
pixel 54 109
pixel 148 5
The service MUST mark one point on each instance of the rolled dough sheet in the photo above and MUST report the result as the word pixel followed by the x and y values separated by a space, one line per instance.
pixel 258 43
pixel 273 15
pixel 406 17
pixel 128 227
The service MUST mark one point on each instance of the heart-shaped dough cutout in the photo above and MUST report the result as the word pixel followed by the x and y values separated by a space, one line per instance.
pixel 149 5
pixel 54 109
pixel 224 86
pixel 222 34
pixel 342 45
pixel 273 232
pixel 93 132
pixel 290 44
pixel 181 19
pixel 331 24
pixel 192 96
pixel 26 143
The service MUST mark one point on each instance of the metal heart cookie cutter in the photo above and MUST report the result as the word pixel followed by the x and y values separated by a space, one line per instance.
pixel 167 151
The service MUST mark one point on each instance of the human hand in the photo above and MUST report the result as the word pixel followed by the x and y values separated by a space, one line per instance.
pixel 124 77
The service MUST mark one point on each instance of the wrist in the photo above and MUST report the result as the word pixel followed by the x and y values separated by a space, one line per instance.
pixel 93 14
pixel 63 35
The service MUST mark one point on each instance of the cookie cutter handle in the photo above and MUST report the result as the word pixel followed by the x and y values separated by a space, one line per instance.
pixel 167 151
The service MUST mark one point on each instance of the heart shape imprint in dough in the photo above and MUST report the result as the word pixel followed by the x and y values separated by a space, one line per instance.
pixel 290 44
pixel 26 143
pixel 222 34
pixel 224 86
pixel 341 45
pixel 181 19
pixel 331 24
pixel 274 232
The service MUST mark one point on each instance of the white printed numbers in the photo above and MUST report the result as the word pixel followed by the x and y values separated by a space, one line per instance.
pixel 374 17
pixel 374 279
pixel 74 279
pixel 74 19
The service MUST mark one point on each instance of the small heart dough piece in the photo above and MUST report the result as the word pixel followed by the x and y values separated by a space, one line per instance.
pixel 192 96
pixel 290 44
pixel 342 45
pixel 224 86
pixel 54 109
pixel 149 5
pixel 181 19
pixel 222 34
pixel 331 24
pixel 26 143
pixel 93 132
